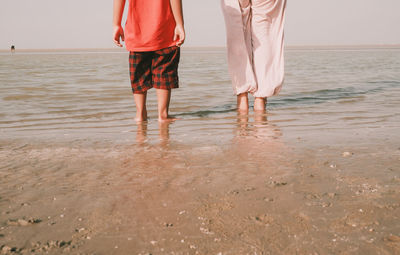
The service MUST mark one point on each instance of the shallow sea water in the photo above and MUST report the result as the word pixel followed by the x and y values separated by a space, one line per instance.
pixel 292 180
pixel 87 94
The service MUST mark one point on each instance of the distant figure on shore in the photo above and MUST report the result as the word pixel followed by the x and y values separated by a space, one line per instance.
pixel 12 48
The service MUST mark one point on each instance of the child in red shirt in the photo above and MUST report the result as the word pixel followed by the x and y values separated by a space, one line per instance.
pixel 153 33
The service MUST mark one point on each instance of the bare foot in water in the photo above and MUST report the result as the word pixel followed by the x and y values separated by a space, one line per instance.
pixel 141 116
pixel 163 99
pixel 260 104
pixel 168 119
pixel 243 102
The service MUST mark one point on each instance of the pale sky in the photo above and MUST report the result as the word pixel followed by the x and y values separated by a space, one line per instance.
pixel 40 24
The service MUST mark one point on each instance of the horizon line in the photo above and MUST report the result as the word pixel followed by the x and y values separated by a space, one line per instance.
pixel 317 46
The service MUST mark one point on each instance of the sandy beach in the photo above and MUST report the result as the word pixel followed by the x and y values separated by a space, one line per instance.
pixel 318 174
pixel 253 196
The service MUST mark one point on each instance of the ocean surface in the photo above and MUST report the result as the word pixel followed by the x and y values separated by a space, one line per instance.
pixel 317 173
pixel 68 95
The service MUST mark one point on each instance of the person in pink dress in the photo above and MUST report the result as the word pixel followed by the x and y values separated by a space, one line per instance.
pixel 255 43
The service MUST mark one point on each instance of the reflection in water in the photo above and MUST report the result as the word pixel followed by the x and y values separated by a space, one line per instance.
pixel 265 129
pixel 163 128
pixel 242 123
pixel 256 145
pixel 259 128
pixel 142 130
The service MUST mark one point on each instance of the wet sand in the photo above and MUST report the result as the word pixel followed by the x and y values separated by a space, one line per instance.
pixel 266 191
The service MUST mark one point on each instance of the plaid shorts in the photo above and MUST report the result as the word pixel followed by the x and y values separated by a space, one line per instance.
pixel 158 69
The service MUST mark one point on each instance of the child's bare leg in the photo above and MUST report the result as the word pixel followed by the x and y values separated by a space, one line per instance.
pixel 243 102
pixel 163 99
pixel 260 103
pixel 140 102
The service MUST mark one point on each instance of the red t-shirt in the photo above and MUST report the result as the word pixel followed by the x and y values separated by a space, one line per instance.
pixel 150 25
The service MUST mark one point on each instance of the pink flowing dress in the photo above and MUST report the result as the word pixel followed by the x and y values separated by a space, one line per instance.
pixel 255 43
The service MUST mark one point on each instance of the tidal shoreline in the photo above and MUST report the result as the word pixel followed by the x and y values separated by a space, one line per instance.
pixel 252 194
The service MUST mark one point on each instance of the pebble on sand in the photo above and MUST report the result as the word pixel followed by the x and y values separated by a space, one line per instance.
pixel 347 154
pixel 23 222
pixel 5 249
pixel 79 230
pixel 276 184
pixel 393 238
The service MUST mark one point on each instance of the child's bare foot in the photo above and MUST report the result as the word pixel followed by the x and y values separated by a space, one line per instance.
pixel 243 102
pixel 141 116
pixel 140 119
pixel 163 99
pixel 260 104
pixel 168 119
